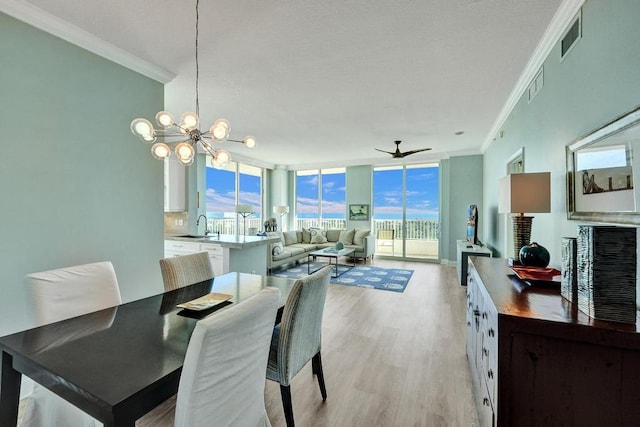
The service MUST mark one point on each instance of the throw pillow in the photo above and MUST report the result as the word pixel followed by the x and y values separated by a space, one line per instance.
pixel 276 248
pixel 306 236
pixel 290 238
pixel 318 236
pixel 276 234
pixel 333 235
pixel 346 236
pixel 358 237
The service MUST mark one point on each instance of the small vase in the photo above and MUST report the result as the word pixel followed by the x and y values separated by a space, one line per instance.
pixel 534 255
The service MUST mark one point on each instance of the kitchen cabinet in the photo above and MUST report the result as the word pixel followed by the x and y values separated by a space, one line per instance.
pixel 174 185
pixel 535 359
pixel 218 255
pixel 174 248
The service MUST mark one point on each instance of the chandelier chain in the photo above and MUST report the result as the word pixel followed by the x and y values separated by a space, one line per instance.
pixel 173 134
pixel 197 65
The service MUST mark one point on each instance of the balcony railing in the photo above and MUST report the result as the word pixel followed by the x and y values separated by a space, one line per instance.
pixel 228 225
pixel 423 229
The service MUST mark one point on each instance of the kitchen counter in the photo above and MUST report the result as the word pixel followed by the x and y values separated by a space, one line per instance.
pixel 244 254
pixel 228 240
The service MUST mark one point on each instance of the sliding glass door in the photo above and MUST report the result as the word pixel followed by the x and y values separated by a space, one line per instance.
pixel 406 211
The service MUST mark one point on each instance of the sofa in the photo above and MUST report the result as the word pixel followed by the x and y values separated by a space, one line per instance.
pixel 297 244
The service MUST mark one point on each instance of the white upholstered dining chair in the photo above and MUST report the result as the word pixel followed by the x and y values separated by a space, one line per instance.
pixel 297 339
pixel 223 377
pixel 185 270
pixel 58 295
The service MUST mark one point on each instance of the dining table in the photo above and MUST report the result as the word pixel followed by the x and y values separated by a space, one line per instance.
pixel 119 363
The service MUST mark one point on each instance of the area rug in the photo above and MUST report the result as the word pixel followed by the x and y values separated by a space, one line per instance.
pixel 364 276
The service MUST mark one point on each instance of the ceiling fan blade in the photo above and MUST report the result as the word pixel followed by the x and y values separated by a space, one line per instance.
pixel 382 151
pixel 414 151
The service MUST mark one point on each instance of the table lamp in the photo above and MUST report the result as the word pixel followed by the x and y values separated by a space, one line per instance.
pixel 245 211
pixel 522 193
pixel 282 211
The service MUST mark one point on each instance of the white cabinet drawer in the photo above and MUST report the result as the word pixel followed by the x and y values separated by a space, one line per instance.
pixel 177 248
pixel 217 263
pixel 176 245
pixel 218 256
pixel 211 248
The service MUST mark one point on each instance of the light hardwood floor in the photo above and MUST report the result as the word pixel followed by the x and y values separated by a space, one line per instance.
pixel 390 359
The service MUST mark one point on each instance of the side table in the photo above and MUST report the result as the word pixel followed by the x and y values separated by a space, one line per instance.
pixel 464 250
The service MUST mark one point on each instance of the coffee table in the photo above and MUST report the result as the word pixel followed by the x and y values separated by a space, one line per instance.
pixel 331 253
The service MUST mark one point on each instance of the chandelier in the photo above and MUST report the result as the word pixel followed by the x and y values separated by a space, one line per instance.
pixel 183 138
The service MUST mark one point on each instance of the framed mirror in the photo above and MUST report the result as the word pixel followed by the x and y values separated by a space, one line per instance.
pixel 601 172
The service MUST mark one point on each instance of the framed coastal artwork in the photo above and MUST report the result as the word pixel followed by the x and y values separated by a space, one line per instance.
pixel 359 212
pixel 601 173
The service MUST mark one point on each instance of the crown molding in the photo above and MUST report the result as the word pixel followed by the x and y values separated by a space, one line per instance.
pixel 558 25
pixel 51 24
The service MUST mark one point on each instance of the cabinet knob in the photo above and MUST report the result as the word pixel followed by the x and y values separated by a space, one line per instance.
pixel 492 333
pixel 468 323
pixel 484 314
pixel 490 373
pixel 485 351
pixel 476 312
pixel 485 401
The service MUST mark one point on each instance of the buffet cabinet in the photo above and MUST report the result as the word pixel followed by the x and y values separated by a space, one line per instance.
pixel 535 359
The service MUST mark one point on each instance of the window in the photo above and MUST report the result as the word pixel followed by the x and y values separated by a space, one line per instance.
pixel 307 206
pixel 334 207
pixel 321 198
pixel 235 184
pixel 250 183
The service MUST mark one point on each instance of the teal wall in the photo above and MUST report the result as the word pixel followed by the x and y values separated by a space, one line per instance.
pixel 76 186
pixel 595 83
pixel 462 182
pixel 465 188
pixel 359 181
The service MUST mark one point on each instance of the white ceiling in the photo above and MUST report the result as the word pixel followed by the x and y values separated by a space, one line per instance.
pixel 323 83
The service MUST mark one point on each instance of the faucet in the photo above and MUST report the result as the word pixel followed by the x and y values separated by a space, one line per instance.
pixel 206 230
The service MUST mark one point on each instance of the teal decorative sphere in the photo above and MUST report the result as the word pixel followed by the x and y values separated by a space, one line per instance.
pixel 339 245
pixel 534 255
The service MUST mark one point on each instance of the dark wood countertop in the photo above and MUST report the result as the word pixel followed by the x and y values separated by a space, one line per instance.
pixel 513 297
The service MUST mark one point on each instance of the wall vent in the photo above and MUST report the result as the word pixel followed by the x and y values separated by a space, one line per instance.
pixel 572 36
pixel 536 85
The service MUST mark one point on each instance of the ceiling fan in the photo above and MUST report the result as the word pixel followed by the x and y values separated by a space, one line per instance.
pixel 398 155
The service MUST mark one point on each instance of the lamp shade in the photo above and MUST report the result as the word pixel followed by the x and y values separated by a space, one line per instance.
pixel 525 192
pixel 281 210
pixel 244 209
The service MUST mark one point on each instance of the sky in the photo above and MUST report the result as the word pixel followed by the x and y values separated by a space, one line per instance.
pixel 422 193
pixel 221 196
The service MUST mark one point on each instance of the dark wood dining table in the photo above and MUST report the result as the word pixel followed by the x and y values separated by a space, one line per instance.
pixel 119 363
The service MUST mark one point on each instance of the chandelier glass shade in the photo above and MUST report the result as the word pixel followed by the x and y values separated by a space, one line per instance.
pixel 183 138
